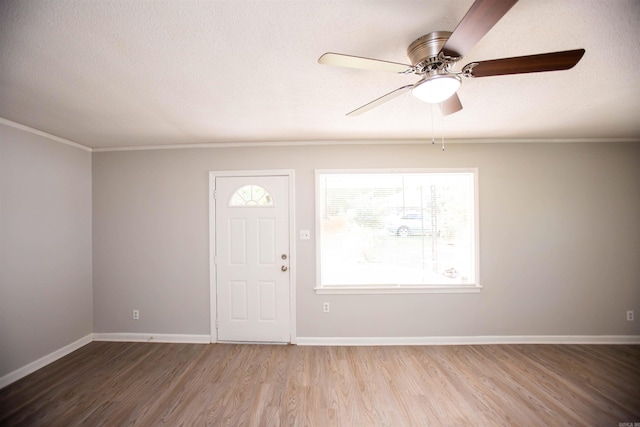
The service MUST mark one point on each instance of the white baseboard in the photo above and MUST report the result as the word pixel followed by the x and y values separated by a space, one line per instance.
pixel 162 338
pixel 471 340
pixel 44 361
pixel 323 341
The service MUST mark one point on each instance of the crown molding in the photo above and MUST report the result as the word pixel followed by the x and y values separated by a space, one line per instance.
pixel 43 134
pixel 245 144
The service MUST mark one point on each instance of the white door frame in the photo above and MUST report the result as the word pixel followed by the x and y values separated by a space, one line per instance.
pixel 213 286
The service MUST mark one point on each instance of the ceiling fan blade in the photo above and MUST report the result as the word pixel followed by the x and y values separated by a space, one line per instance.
pixel 361 63
pixel 480 18
pixel 384 98
pixel 554 61
pixel 451 105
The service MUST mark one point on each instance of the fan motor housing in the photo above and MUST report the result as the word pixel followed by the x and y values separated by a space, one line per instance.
pixel 423 52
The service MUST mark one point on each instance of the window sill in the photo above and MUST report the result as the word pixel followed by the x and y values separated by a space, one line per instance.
pixel 436 289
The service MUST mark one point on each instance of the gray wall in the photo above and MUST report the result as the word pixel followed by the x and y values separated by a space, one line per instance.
pixel 559 240
pixel 45 239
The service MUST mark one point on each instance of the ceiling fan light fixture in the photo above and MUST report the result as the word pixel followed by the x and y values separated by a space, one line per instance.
pixel 436 88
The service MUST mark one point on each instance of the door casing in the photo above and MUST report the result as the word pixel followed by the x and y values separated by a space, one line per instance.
pixel 213 286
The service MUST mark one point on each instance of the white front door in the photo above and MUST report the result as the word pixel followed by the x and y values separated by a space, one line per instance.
pixel 252 258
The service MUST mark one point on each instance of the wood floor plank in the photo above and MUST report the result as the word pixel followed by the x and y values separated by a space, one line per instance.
pixel 114 384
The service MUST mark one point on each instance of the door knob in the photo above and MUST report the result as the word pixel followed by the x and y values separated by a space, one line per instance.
pixel 284 268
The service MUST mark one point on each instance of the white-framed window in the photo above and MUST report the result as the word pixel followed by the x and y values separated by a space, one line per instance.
pixel 397 231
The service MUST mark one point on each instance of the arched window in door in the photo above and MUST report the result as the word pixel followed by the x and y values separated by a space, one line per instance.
pixel 251 195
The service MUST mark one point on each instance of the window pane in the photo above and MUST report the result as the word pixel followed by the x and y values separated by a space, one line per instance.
pixel 397 229
pixel 251 195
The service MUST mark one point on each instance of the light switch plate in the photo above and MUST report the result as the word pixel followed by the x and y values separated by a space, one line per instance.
pixel 305 234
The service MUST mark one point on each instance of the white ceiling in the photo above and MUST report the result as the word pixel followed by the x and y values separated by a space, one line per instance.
pixel 132 73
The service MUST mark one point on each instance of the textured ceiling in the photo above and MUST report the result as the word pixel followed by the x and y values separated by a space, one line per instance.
pixel 131 73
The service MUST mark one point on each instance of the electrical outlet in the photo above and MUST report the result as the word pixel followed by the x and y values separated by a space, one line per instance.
pixel 325 307
pixel 136 314
pixel 630 315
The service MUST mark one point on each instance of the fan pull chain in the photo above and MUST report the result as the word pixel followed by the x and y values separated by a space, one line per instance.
pixel 433 129
pixel 442 130
pixel 433 132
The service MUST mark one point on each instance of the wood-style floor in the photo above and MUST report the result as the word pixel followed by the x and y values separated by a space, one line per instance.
pixel 116 384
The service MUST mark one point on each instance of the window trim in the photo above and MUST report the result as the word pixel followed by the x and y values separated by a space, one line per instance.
pixel 399 289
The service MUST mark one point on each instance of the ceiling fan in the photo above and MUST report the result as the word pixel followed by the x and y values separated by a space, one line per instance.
pixel 434 55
